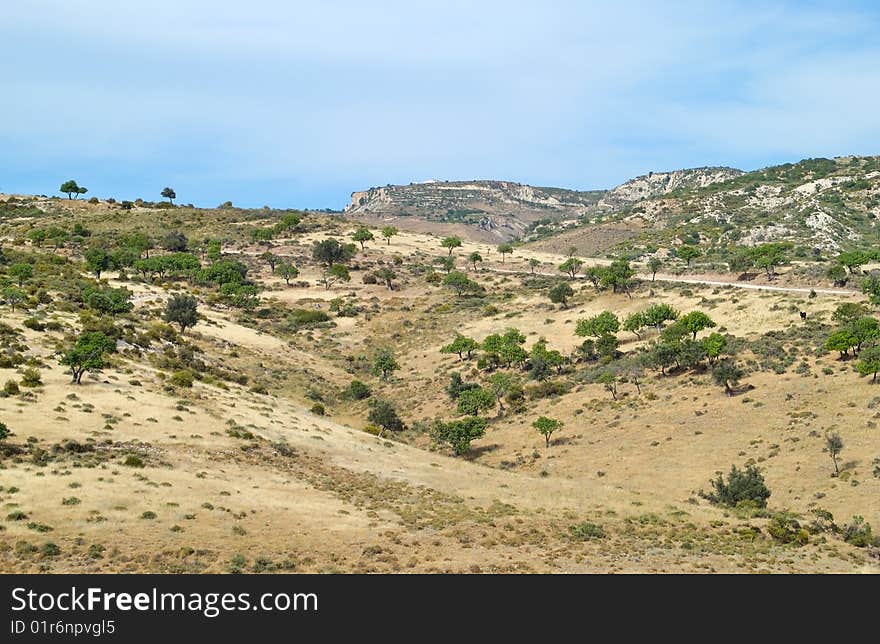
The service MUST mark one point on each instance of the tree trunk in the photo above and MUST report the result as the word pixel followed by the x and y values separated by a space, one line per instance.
pixel 547 439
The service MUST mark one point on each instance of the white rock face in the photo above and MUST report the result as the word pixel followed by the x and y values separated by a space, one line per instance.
pixel 656 184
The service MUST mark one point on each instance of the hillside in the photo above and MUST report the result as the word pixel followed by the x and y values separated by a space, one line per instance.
pixel 485 210
pixel 379 411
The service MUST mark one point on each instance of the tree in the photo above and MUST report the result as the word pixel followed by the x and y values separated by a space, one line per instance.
pixel 384 415
pixel 388 232
pixel 271 259
pixel 837 274
pixel 618 276
pixel 696 321
pixel 505 348
pixel 87 354
pixel 500 384
pixel 451 243
pixel 714 345
pixel 869 362
pixel 834 445
pixel 384 363
pixel 853 260
pixel 97 260
pixel 687 253
pixel 175 242
pixel 461 283
pixel 458 434
pixel 505 249
pixel 386 276
pixel 727 374
pixel 849 312
pixel 362 235
pixel 475 257
pixel 559 294
pixel 330 251
pixel 594 276
pixel 336 273
pixel 533 264
pixel 472 401
pixel 571 266
pixel 288 272
pixel 20 271
pixel 182 309
pixel 657 314
pixel 4 431
pixel 547 426
pixel 634 323
pixel 654 265
pixel 289 221
pixel 609 380
pixel 169 194
pixel 841 340
pixel 606 346
pixel 769 256
pixel 14 296
pixel 461 345
pixel 603 324
pixel 71 188
pixel 865 330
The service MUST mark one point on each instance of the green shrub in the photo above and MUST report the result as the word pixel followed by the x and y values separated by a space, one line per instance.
pixel 586 531
pixel 133 460
pixel 743 486
pixel 11 388
pixel 318 409
pixel 859 533
pixel 357 390
pixel 786 529
pixel 182 378
pixel 30 377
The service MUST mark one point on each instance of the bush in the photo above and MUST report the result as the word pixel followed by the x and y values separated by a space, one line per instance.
pixel 300 318
pixel 586 531
pixel 786 529
pixel 182 378
pixel 859 534
pixel 133 461
pixel 318 409
pixel 357 390
pixel 11 388
pixel 742 487
pixel 34 324
pixel 30 377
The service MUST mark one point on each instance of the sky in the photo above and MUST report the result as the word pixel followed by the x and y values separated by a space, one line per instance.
pixel 297 104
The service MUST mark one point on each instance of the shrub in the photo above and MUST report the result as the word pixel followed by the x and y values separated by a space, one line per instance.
pixel 11 388
pixel 743 486
pixel 30 377
pixel 34 324
pixel 586 531
pixel 300 318
pixel 318 409
pixel 133 460
pixel 858 533
pixel 357 390
pixel 786 529
pixel 182 378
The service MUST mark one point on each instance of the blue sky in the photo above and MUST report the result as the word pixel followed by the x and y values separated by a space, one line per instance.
pixel 296 104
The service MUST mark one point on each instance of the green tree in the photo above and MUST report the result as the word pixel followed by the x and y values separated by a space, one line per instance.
pixel 383 414
pixel 608 379
pixel 634 323
pixel 841 340
pixel 547 427
pixel 533 264
pixel 288 272
pixel 475 257
pixel 384 363
pixel 853 260
pixel 742 486
pixel 834 445
pixel 594 276
pixel 4 431
pixel 837 274
pixel 559 294
pixel 20 271
pixel 182 310
pixel 501 384
pixel 386 276
pixel 571 266
pixel 362 235
pixel 657 314
pixel 388 232
pixel 271 259
pixel 715 346
pixel 696 321
pixel 849 312
pixel 330 251
pixel 727 374
pixel 687 253
pixel 87 354
pixel 472 401
pixel 97 260
pixel 14 296
pixel 461 345
pixel 603 324
pixel 869 362
pixel 452 242
pixel 169 194
pixel 175 242
pixel 458 434
pixel 618 276
pixel 769 256
pixel 71 188
pixel 336 273
pixel 654 265
pixel 505 249
pixel 461 283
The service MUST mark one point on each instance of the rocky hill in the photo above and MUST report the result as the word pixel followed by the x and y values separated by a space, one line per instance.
pixel 819 205
pixel 489 210
pixel 655 184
